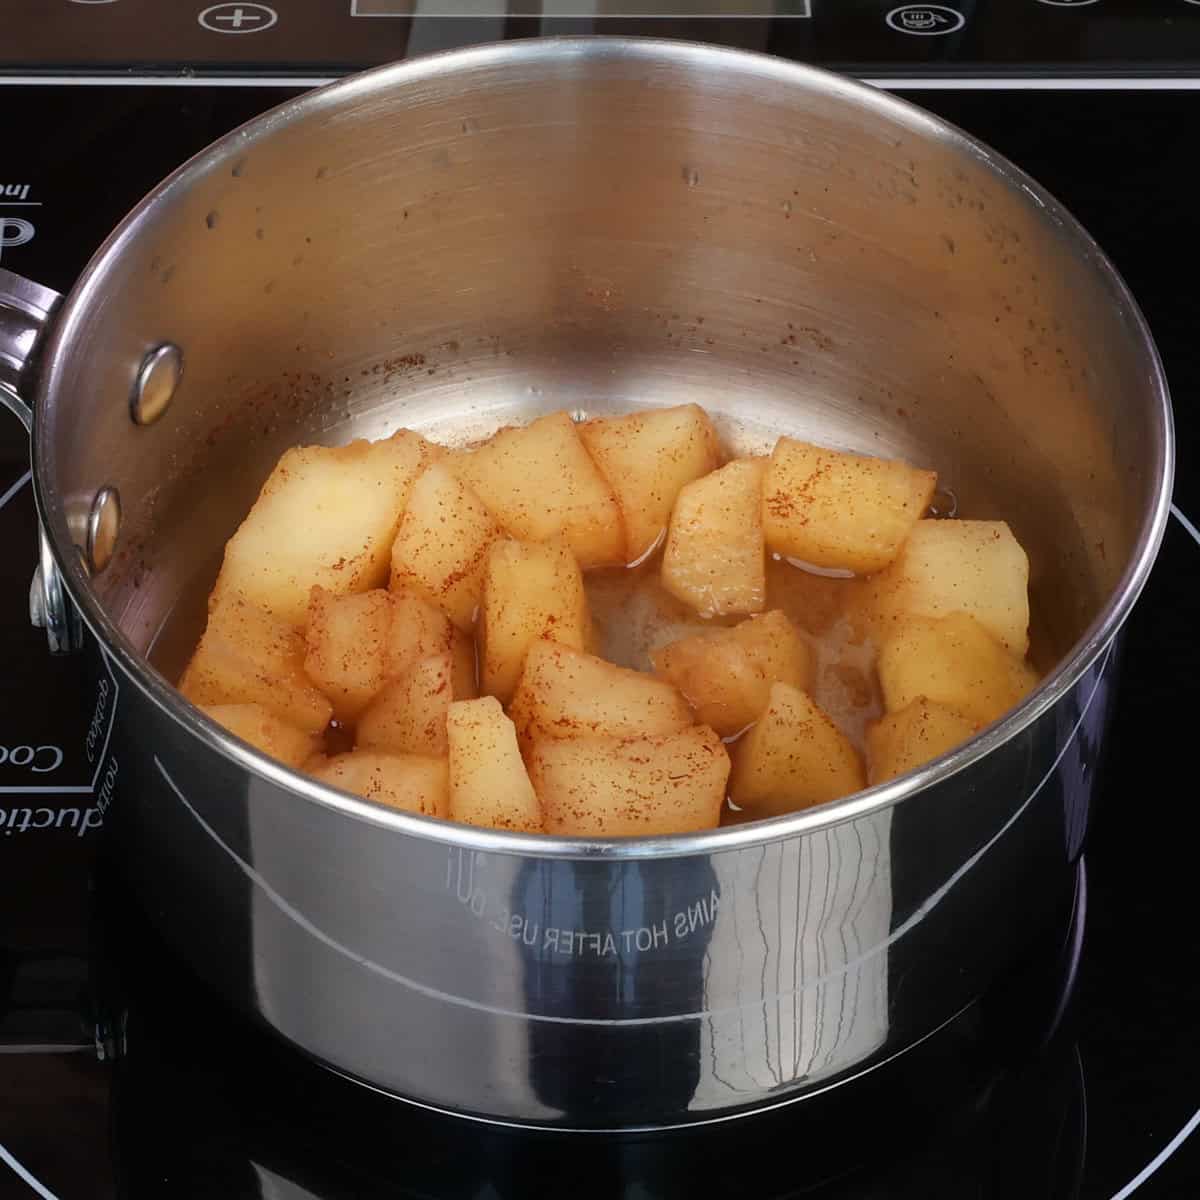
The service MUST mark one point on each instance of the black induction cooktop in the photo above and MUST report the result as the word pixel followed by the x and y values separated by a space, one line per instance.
pixel 121 1076
pixel 291 38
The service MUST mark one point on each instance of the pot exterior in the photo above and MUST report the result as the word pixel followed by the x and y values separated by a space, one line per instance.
pixel 599 993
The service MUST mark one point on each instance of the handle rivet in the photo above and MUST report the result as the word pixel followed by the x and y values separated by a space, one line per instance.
pixel 104 523
pixel 154 387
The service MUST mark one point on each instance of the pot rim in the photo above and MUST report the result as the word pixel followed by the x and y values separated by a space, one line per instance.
pixel 529 54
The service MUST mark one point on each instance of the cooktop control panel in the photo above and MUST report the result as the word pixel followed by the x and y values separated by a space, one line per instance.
pixel 324 38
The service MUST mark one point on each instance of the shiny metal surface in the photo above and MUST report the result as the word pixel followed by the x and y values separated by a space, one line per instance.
pixel 25 309
pixel 154 387
pixel 471 239
pixel 50 608
pixel 55 612
pixel 103 528
pixel 37 605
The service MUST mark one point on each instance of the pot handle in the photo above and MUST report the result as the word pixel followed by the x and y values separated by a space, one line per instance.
pixel 25 310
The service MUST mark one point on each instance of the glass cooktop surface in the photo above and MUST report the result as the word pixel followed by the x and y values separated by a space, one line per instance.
pixel 121 1076
pixel 305 37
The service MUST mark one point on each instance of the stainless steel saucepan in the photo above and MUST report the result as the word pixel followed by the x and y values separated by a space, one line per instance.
pixel 468 240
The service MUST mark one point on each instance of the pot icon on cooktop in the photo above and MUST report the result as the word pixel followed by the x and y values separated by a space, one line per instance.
pixel 928 20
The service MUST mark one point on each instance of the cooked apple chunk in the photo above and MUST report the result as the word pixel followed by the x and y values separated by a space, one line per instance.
pixel 530 591
pixel 327 516
pixel 246 656
pixel 917 733
pixel 411 782
pixel 409 715
pixel 539 482
pixel 647 457
pixel 954 662
pixel 488 782
pixel 266 732
pixel 624 787
pixel 976 567
pixel 726 674
pixel 442 543
pixel 417 630
pixel 794 757
pixel 837 510
pixel 713 558
pixel 565 693
pixel 358 644
pixel 346 641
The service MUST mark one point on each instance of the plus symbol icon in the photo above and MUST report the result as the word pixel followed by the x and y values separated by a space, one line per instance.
pixel 238 18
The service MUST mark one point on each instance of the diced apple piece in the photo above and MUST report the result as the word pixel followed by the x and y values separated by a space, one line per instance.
pixel 837 510
pixel 266 732
pixel 793 758
pixel 246 656
pixel 976 567
pixel 346 639
pixel 624 787
pixel 488 783
pixel 530 591
pixel 647 457
pixel 714 554
pixel 418 629
pixel 442 543
pixel 954 662
pixel 565 693
pixel 326 515
pixel 409 715
pixel 411 782
pixel 539 482
pixel 726 674
pixel 901 741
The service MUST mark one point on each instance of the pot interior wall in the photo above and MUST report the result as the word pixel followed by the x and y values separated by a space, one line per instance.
pixel 598 229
